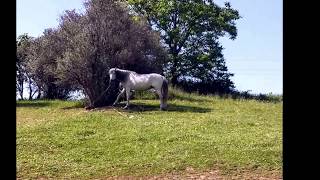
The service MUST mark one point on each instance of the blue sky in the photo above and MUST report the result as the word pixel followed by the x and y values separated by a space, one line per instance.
pixel 255 57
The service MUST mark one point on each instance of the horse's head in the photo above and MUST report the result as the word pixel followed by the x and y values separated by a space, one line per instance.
pixel 119 74
pixel 112 73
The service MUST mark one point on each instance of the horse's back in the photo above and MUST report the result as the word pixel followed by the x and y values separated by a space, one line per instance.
pixel 156 80
pixel 158 76
pixel 146 81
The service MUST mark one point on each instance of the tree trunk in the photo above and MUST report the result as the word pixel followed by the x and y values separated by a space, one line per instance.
pixel 30 89
pixel 174 73
pixel 21 91
pixel 106 97
pixel 174 80
pixel 39 94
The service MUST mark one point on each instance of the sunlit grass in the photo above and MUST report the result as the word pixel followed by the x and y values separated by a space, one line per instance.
pixel 58 139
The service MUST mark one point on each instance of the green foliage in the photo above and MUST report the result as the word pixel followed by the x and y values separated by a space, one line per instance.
pixel 59 139
pixel 79 52
pixel 179 93
pixel 41 63
pixel 23 74
pixel 22 43
pixel 190 32
pixel 105 36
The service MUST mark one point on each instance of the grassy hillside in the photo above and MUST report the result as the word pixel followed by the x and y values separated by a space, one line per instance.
pixel 58 139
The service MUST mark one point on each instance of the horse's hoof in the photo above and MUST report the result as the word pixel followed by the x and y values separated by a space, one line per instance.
pixel 89 107
pixel 126 107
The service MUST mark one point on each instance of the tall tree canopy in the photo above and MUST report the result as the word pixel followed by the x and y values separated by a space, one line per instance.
pixel 105 36
pixel 42 64
pixel 78 54
pixel 176 37
pixel 190 30
pixel 23 44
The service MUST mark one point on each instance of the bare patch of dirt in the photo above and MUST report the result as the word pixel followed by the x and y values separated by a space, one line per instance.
pixel 213 174
pixel 191 174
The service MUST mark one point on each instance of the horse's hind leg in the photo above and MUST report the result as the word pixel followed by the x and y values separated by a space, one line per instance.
pixel 128 97
pixel 162 105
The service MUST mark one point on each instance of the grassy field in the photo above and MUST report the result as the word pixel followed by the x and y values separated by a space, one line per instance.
pixel 60 139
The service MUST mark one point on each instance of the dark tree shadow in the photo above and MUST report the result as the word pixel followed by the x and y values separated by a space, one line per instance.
pixel 77 106
pixel 32 104
pixel 141 107
pixel 152 96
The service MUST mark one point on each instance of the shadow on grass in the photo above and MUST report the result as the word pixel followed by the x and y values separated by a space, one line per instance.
pixel 141 107
pixel 77 106
pixel 145 95
pixel 171 96
pixel 32 104
pixel 191 99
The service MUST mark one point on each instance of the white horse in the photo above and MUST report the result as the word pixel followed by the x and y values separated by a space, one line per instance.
pixel 131 80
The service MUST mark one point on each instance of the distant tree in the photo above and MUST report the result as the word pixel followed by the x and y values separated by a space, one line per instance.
pixel 23 76
pixel 105 36
pixel 20 75
pixel 208 71
pixel 190 31
pixel 42 65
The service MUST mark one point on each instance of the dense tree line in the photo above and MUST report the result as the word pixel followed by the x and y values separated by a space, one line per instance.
pixel 176 38
pixel 190 31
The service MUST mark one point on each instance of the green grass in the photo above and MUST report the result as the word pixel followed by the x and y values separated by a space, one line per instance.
pixel 59 139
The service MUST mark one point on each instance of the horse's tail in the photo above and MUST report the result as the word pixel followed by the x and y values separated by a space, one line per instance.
pixel 164 90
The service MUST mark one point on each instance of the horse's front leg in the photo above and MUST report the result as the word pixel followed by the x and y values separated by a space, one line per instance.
pixel 128 97
pixel 121 93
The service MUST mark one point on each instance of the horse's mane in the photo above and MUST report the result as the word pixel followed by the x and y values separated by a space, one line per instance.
pixel 127 71
pixel 124 70
pixel 122 74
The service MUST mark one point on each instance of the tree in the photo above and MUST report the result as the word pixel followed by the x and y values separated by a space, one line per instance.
pixel 105 36
pixel 188 30
pixel 42 64
pixel 23 76
pixel 209 71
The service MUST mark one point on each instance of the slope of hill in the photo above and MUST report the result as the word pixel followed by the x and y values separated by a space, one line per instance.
pixel 60 139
